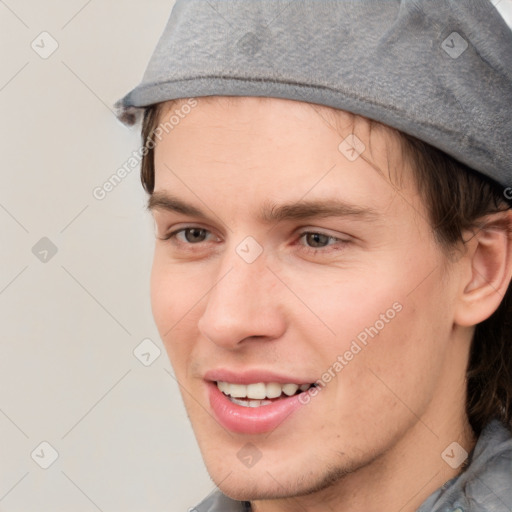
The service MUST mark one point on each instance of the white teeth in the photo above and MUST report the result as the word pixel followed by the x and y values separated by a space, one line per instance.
pixel 250 403
pixel 290 389
pixel 258 391
pixel 237 390
pixel 273 390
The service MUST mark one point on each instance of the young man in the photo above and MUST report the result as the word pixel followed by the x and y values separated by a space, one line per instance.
pixel 331 185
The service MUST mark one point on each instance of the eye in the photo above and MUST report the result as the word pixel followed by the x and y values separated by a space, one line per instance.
pixel 193 235
pixel 318 240
pixel 190 235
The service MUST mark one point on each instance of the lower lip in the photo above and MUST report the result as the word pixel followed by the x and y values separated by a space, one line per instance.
pixel 251 420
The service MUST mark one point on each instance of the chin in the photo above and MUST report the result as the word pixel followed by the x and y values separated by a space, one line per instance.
pixel 266 483
pixel 255 489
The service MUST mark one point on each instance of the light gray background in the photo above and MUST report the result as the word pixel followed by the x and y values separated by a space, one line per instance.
pixel 69 325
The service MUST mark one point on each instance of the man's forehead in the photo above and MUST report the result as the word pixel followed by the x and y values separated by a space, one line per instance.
pixel 329 154
pixel 352 134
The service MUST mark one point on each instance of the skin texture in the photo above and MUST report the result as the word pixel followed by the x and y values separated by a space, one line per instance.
pixel 372 438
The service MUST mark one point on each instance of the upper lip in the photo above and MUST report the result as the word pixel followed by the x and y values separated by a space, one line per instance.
pixel 252 376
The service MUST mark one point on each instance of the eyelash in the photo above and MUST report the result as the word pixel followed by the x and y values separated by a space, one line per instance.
pixel 327 248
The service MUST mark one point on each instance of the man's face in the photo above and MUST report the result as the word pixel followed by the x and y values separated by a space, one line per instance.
pixel 293 261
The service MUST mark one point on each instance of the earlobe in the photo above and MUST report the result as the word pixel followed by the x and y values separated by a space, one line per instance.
pixel 489 260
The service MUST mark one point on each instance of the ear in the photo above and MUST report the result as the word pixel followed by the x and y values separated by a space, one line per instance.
pixel 488 269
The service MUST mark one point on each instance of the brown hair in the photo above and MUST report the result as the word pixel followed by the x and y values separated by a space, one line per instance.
pixel 456 198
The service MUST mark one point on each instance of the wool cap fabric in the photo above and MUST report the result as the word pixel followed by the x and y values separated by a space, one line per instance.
pixel 440 70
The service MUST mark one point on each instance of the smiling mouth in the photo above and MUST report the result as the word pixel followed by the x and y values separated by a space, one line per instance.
pixel 260 393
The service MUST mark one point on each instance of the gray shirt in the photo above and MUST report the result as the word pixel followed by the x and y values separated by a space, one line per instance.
pixel 484 486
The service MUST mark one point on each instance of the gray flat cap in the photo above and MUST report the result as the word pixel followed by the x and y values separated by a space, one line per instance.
pixel 440 70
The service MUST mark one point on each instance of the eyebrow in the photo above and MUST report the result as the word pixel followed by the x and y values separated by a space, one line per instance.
pixel 163 201
pixel 302 210
pixel 273 213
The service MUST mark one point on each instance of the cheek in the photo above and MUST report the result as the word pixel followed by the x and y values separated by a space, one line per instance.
pixel 176 302
pixel 400 366
pixel 382 324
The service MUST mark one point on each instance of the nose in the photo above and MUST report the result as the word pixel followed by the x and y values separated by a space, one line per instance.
pixel 243 304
